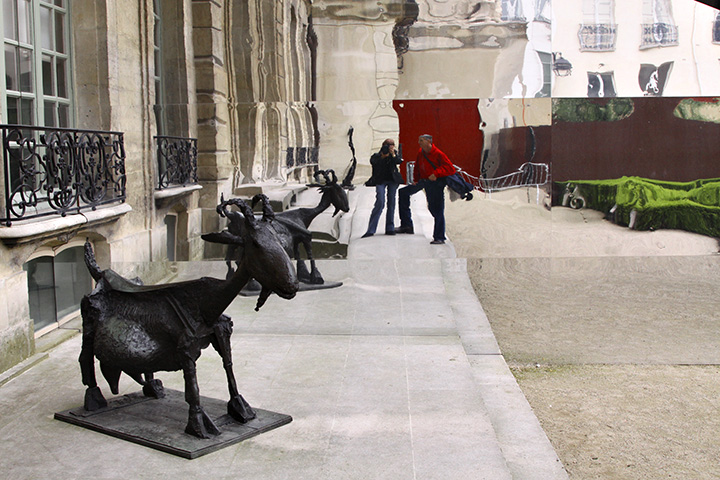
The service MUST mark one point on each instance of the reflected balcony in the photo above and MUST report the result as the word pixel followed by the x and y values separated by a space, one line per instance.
pixel 658 35
pixel 597 37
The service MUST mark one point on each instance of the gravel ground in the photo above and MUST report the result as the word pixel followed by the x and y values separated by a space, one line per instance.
pixel 612 334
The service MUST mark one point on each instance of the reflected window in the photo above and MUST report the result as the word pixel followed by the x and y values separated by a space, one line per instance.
pixel 57 282
pixel 598 31
pixel 546 60
pixel 37 62
pixel 512 11
pixel 658 27
pixel 653 79
pixel 601 84
pixel 543 11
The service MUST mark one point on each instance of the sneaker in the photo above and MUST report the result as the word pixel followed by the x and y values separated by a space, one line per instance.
pixel 409 230
pixel 367 234
pixel 437 242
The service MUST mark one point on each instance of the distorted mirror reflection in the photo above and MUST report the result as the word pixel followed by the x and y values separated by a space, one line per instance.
pixel 516 92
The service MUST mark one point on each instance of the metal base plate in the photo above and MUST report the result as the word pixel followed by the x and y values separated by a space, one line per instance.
pixel 160 423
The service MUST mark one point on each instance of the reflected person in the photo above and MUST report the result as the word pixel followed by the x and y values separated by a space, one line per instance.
pixel 385 178
pixel 431 168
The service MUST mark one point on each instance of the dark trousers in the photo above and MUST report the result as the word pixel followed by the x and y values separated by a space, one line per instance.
pixel 435 194
pixel 380 190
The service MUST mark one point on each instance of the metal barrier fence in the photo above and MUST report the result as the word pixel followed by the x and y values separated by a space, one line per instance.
pixel 56 171
pixel 528 175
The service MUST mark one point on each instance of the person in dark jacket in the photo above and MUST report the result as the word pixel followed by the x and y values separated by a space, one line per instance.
pixel 431 168
pixel 385 178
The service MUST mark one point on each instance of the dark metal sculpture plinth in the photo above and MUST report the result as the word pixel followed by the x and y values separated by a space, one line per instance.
pixel 159 422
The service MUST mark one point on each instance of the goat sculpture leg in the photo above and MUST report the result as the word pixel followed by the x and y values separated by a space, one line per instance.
pixel 152 387
pixel 302 272
pixel 199 423
pixel 94 398
pixel 237 407
pixel 314 277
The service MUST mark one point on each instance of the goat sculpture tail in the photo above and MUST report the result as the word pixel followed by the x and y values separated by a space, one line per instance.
pixel 90 262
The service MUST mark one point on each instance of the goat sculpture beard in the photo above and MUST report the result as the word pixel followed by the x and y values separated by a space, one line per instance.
pixel 140 329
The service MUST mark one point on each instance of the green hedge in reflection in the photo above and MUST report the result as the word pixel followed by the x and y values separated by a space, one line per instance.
pixel 592 109
pixel 691 206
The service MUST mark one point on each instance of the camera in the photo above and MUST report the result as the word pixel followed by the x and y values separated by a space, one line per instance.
pixel 385 149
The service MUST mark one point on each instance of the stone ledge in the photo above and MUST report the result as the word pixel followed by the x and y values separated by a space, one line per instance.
pixel 173 192
pixel 27 231
pixel 21 367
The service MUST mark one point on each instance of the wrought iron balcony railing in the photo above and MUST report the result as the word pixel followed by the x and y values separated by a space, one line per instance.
pixel 56 171
pixel 658 35
pixel 177 161
pixel 597 37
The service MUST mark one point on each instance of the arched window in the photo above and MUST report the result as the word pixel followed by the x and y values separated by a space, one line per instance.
pixel 57 279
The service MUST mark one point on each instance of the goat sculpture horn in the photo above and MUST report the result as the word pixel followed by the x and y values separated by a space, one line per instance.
pixel 244 209
pixel 334 177
pixel 268 213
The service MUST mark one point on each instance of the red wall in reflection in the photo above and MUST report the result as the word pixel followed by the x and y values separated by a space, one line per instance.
pixel 453 123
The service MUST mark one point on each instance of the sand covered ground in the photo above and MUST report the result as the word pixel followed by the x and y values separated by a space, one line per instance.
pixel 613 334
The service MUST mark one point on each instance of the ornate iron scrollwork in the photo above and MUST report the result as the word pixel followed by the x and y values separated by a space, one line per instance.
pixel 59 171
pixel 177 161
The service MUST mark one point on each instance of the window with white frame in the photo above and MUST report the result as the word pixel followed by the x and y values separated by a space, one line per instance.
pixel 658 27
pixel 598 31
pixel 36 63
pixel 57 280
pixel 716 29
pixel 512 11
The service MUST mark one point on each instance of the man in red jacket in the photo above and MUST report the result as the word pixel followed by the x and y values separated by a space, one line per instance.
pixel 431 168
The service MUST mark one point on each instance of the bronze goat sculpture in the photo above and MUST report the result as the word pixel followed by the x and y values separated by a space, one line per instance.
pixel 292 226
pixel 141 330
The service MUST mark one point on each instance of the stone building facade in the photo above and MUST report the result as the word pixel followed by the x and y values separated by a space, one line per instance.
pixel 227 84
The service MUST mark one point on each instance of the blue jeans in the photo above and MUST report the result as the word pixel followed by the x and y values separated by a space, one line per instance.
pixel 380 190
pixel 435 194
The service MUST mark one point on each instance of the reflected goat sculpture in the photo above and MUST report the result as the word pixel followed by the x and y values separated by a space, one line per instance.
pixel 292 226
pixel 140 329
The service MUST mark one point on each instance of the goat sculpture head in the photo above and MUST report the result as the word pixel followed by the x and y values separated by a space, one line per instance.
pixel 263 256
pixel 334 192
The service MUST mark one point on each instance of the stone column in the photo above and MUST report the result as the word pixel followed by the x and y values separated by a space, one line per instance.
pixel 215 165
